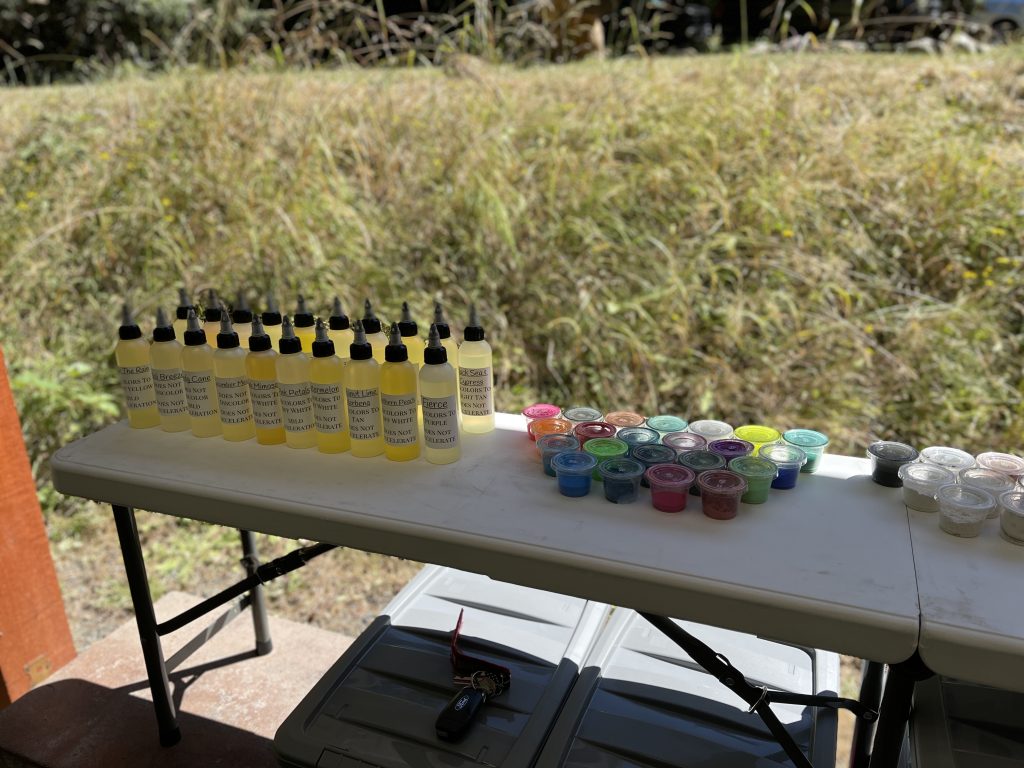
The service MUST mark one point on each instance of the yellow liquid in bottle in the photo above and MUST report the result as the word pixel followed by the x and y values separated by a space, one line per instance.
pixel 327 380
pixel 476 381
pixel 362 394
pixel 180 325
pixel 439 398
pixel 274 332
pixel 378 341
pixel 133 365
pixel 244 331
pixel 415 346
pixel 306 335
pixel 452 348
pixel 200 390
pixel 342 341
pixel 296 400
pixel 212 328
pixel 399 401
pixel 261 368
pixel 233 395
pixel 169 385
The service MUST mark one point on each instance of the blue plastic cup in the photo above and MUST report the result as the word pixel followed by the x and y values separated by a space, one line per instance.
pixel 573 470
pixel 789 459
pixel 552 445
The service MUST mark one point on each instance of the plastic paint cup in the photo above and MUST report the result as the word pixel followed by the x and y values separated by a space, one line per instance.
pixel 579 414
pixel 604 448
pixel 638 436
pixel 670 485
pixel 1011 517
pixel 623 419
pixel 921 481
pixel 710 429
pixel 731 448
pixel 541 427
pixel 963 509
pixel 720 493
pixel 621 479
pixel 666 424
pixel 886 460
pixel 952 459
pixel 681 442
pixel 552 445
pixel 573 470
pixel 789 459
pixel 591 430
pixel 542 411
pixel 995 483
pixel 810 442
pixel 699 462
pixel 651 455
pixel 759 473
pixel 1006 463
pixel 758 435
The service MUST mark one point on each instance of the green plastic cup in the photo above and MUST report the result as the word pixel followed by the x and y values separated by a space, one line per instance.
pixel 604 448
pixel 758 473
pixel 810 442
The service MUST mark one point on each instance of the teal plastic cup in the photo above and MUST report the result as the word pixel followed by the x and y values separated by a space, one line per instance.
pixel 665 423
pixel 810 442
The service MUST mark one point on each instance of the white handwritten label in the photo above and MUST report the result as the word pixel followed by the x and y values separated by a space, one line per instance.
pixel 137 382
pixel 363 413
pixel 297 406
pixel 440 422
pixel 170 391
pixel 399 413
pixel 233 399
pixel 327 408
pixel 200 394
pixel 266 403
pixel 475 396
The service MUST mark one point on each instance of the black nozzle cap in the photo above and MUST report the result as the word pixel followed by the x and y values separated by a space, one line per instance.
pixel 407 326
pixel 371 323
pixel 396 351
pixel 360 348
pixel 338 320
pixel 444 331
pixel 273 315
pixel 129 328
pixel 227 338
pixel 474 331
pixel 212 314
pixel 258 339
pixel 302 318
pixel 289 343
pixel 163 330
pixel 434 353
pixel 195 336
pixel 322 345
pixel 181 313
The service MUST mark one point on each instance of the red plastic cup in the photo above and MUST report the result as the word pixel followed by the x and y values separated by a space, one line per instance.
pixel 720 492
pixel 590 430
pixel 670 486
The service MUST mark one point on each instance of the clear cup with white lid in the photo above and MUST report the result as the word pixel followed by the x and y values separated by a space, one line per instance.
pixel 710 429
pixel 1011 517
pixel 1006 463
pixel 950 458
pixel 995 483
pixel 963 509
pixel 921 481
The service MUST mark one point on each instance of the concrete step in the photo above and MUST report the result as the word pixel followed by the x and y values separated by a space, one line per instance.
pixel 97 710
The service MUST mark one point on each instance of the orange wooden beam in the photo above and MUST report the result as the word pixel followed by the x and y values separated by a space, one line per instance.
pixel 35 639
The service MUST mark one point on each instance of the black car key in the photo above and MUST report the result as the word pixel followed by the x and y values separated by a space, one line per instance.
pixel 456 717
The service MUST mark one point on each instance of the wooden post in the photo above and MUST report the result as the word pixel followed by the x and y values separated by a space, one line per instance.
pixel 34 636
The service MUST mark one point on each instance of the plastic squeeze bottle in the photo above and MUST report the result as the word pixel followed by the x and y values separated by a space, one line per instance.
pixel 165 355
pixel 181 314
pixel 272 321
pixel 339 330
pixel 476 379
pixel 439 399
pixel 410 336
pixel 212 313
pixel 241 318
pixel 327 383
pixel 374 334
pixel 293 384
pixel 444 332
pixel 232 387
pixel 261 368
pixel 304 325
pixel 398 400
pixel 197 371
pixel 133 366
pixel 362 394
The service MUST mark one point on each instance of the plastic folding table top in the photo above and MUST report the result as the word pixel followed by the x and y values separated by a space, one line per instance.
pixel 828 564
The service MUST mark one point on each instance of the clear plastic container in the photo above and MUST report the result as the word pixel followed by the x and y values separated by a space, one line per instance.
pixel 650 455
pixel 621 479
pixel 951 458
pixel 700 461
pixel 574 470
pixel 623 419
pixel 731 448
pixel 1011 517
pixel 720 493
pixel 995 483
pixel 1006 463
pixel 604 448
pixel 789 459
pixel 886 459
pixel 638 436
pixel 810 442
pixel 666 423
pixel 681 442
pixel 591 430
pixel 710 429
pixel 581 413
pixel 542 411
pixel 921 481
pixel 552 445
pixel 537 429
pixel 759 473
pixel 963 509
pixel 670 486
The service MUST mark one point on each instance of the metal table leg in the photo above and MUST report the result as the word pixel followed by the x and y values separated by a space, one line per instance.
pixel 257 603
pixel 897 698
pixel 872 676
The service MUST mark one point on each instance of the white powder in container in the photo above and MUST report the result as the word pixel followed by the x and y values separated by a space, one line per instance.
pixel 989 480
pixel 963 510
pixel 1011 517
pixel 921 481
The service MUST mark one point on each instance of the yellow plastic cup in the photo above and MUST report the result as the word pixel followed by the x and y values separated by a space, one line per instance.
pixel 759 435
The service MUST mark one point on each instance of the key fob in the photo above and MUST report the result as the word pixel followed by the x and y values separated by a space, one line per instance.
pixel 455 718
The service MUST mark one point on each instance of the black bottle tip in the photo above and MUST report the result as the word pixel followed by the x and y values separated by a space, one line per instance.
pixel 434 353
pixel 259 341
pixel 396 351
pixel 194 334
pixel 289 344
pixel 163 331
pixel 360 348
pixel 407 326
pixel 322 346
pixel 227 338
pixel 474 331
pixel 129 329
pixel 338 320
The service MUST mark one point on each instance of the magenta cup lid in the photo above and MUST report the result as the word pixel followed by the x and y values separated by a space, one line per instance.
pixel 653 454
pixel 884 450
pixel 672 476
pixel 730 446
pixel 621 469
pixel 606 447
pixel 580 413
pixel 638 435
pixel 950 458
pixel 710 429
pixel 558 443
pixel 684 441
pixel 805 438
pixel 542 411
pixel 925 478
pixel 754 467
pixel 987 479
pixel 722 481
pixel 574 463
pixel 784 455
pixel 1006 463
pixel 592 429
pixel 666 423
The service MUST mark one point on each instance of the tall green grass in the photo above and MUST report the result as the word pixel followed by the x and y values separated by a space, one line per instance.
pixel 830 241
